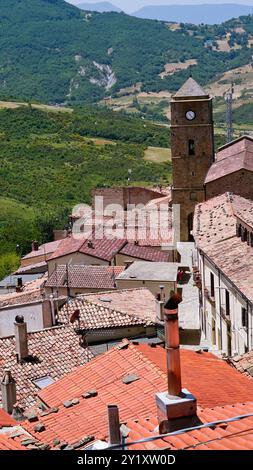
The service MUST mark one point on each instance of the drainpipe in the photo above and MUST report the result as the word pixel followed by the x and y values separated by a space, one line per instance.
pixel 219 276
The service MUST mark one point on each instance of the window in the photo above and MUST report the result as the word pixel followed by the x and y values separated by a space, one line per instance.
pixel 43 382
pixel 191 147
pixel 244 318
pixel 227 303
pixel 212 285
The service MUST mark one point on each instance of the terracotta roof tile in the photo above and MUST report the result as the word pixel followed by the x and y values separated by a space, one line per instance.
pixel 55 352
pixel 94 316
pixel 232 157
pixel 102 248
pixel 244 363
pixel 7 443
pixel 45 249
pixel 139 301
pixel 85 277
pixel 144 253
pixel 6 420
pixel 237 435
pixel 210 379
pixel 215 234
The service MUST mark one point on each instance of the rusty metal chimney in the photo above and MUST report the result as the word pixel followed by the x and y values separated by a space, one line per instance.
pixel 177 408
pixel 172 352
pixel 8 389
pixel 114 425
pixel 21 338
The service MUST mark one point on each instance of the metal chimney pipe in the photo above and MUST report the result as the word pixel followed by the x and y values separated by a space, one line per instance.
pixel 172 352
pixel 113 424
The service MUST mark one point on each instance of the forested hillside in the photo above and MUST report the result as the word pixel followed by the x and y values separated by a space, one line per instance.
pixel 51 51
pixel 50 161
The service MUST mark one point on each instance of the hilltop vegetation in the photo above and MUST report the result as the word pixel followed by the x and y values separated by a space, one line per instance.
pixel 51 51
pixel 50 161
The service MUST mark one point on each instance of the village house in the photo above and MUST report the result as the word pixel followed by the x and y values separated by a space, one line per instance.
pixel 36 260
pixel 224 271
pixel 101 323
pixel 101 251
pixel 156 277
pixel 29 301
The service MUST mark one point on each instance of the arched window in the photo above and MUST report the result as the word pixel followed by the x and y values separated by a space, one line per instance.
pixel 191 147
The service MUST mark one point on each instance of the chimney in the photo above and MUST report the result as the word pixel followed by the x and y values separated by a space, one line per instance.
pixel 21 338
pixel 8 389
pixel 113 425
pixel 35 245
pixel 159 305
pixel 19 285
pixel 177 407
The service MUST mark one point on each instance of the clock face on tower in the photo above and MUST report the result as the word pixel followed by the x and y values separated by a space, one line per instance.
pixel 190 115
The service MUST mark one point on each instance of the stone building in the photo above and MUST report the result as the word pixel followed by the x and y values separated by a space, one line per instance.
pixel 192 146
pixel 232 170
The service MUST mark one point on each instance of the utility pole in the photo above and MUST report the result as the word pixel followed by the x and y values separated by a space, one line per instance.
pixel 229 112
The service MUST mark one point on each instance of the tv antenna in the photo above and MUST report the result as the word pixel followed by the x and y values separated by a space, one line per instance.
pixel 229 112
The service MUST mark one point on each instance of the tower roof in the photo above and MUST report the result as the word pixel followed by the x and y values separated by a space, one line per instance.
pixel 191 89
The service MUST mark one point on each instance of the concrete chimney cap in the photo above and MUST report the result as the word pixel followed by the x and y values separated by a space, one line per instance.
pixel 19 319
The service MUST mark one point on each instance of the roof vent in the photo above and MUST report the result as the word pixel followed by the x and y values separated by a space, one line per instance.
pixel 90 244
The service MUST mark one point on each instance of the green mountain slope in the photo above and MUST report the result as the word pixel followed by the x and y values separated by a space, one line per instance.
pixel 51 51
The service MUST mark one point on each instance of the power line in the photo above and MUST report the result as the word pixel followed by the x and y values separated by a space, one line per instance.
pixel 182 431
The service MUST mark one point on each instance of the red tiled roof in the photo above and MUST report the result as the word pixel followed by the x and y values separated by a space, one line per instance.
pixel 85 277
pixel 18 298
pixel 94 316
pixel 7 443
pixel 232 157
pixel 237 435
pixel 45 249
pixel 139 301
pixel 104 248
pixel 54 353
pixel 144 253
pixel 211 380
pixel 32 267
pixel 6 420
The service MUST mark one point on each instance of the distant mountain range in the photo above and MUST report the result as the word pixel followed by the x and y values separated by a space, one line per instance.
pixel 101 7
pixel 195 14
pixel 53 52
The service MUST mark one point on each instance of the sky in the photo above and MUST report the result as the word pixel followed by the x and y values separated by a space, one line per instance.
pixel 129 6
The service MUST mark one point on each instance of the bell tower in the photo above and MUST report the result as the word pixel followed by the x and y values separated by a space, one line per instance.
pixel 192 148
